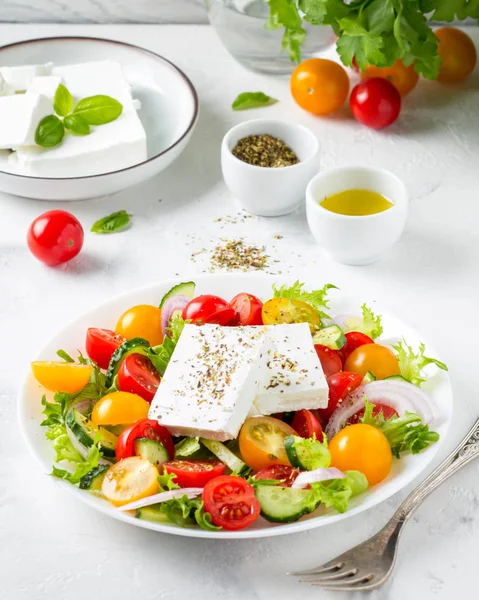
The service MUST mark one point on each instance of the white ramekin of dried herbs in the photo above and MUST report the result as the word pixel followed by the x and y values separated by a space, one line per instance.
pixel 267 165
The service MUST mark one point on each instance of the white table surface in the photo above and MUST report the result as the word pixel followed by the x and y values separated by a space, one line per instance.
pixel 53 547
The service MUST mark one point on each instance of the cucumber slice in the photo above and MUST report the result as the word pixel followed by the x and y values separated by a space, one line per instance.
pixel 331 337
pixel 284 504
pixel 370 377
pixel 396 378
pixel 135 345
pixel 87 433
pixel 187 447
pixel 225 455
pixel 150 513
pixel 93 479
pixel 306 454
pixel 152 450
pixel 182 289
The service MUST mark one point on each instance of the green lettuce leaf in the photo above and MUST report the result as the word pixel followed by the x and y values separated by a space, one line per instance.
pixel 337 492
pixel 160 355
pixel 370 324
pixel 317 298
pixel 184 511
pixel 166 482
pixel 82 466
pixel 412 363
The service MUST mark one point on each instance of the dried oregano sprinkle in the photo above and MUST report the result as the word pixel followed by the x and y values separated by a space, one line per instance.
pixel 265 151
pixel 235 255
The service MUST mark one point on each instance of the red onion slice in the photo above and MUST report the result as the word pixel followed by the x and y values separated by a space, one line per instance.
pixel 307 477
pixel 162 497
pixel 174 304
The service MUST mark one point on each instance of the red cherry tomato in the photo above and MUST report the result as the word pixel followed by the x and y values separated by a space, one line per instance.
pixel 330 360
pixel 100 345
pixel 387 411
pixel 307 425
pixel 194 473
pixel 208 309
pixel 375 102
pixel 146 428
pixel 248 309
pixel 231 502
pixel 137 375
pixel 340 385
pixel 283 473
pixel 354 339
pixel 55 237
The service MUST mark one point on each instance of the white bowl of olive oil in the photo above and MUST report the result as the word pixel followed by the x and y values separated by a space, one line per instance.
pixel 356 213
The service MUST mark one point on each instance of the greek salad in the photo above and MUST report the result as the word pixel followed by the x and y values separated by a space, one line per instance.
pixel 206 412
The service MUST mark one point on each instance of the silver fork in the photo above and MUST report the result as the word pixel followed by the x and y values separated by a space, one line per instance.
pixel 368 565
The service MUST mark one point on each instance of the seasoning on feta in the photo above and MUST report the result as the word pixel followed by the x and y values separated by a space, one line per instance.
pixel 19 117
pixel 17 79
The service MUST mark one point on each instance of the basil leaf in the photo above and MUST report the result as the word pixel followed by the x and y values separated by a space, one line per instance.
pixel 248 100
pixel 76 124
pixel 49 132
pixel 117 221
pixel 98 110
pixel 63 101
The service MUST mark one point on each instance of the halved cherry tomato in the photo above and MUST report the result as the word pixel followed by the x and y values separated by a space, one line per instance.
pixel 307 425
pixel 387 412
pixel 379 360
pixel 284 473
pixel 119 408
pixel 194 473
pixel 231 502
pixel 403 78
pixel 340 385
pixel 146 428
pixel 143 321
pixel 319 85
pixel 100 345
pixel 362 448
pixel 283 310
pixel 354 339
pixel 55 237
pixel 458 55
pixel 208 309
pixel 138 376
pixel 248 309
pixel 330 359
pixel 261 442
pixel 62 376
pixel 129 480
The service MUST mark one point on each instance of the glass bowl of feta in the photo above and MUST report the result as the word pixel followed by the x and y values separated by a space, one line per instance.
pixel 86 117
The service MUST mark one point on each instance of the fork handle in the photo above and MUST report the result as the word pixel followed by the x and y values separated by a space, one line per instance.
pixel 466 451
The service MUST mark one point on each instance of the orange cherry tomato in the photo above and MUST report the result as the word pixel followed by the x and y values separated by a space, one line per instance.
pixel 143 321
pixel 261 442
pixel 377 359
pixel 119 408
pixel 319 85
pixel 362 448
pixel 62 376
pixel 458 55
pixel 403 78
pixel 130 479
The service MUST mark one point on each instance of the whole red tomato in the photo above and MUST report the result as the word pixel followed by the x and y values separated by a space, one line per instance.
pixel 55 237
pixel 375 102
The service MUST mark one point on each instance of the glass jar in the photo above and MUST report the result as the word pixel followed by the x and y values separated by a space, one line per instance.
pixel 240 25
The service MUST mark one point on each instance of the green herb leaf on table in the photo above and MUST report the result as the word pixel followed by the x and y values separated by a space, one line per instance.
pixel 248 100
pixel 98 110
pixel 50 132
pixel 77 125
pixel 66 357
pixel 316 298
pixel 412 363
pixel 63 101
pixel 117 221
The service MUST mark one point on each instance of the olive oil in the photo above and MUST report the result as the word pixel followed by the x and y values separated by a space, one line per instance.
pixel 356 203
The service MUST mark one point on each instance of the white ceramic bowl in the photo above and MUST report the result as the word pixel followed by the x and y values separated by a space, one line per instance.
pixel 355 240
pixel 169 113
pixel 270 192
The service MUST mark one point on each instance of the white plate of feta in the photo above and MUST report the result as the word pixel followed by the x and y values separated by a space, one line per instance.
pixel 159 113
pixel 247 371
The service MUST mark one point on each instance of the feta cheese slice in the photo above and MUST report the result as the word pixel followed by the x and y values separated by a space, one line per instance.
pixel 19 118
pixel 17 79
pixel 47 86
pixel 292 374
pixel 211 381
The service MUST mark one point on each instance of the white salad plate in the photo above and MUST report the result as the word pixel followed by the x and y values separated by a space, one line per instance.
pixel 72 338
pixel 169 111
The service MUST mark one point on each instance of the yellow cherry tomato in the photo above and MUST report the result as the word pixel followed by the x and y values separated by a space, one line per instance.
pixel 283 310
pixel 62 376
pixel 458 55
pixel 362 448
pixel 130 479
pixel 403 78
pixel 143 321
pixel 261 442
pixel 119 408
pixel 377 359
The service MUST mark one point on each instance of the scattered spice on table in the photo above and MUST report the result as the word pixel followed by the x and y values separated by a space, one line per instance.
pixel 235 255
pixel 264 150
pixel 235 219
pixel 277 237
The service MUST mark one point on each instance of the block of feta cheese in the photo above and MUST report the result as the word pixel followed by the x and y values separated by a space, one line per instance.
pixel 47 86
pixel 17 79
pixel 292 374
pixel 19 118
pixel 211 381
